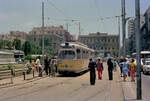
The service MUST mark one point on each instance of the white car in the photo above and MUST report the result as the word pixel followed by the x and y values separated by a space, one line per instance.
pixel 146 67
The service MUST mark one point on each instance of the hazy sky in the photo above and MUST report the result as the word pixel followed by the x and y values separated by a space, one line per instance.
pixel 23 15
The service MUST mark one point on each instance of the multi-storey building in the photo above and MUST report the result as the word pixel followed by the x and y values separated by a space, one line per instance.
pixel 14 34
pixel 131 27
pixel 53 36
pixel 145 30
pixel 131 37
pixel 101 42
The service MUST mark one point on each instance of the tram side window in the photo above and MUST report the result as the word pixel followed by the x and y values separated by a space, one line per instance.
pixel 78 54
pixel 87 54
pixel 84 54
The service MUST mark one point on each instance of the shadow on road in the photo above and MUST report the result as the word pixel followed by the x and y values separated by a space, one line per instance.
pixel 69 74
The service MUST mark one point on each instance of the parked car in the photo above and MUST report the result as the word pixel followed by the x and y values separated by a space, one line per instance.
pixel 146 67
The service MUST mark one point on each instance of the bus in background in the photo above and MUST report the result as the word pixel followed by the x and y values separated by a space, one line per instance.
pixel 73 57
pixel 18 55
pixel 143 55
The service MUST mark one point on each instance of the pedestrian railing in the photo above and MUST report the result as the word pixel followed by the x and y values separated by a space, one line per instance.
pixel 6 74
pixel 31 75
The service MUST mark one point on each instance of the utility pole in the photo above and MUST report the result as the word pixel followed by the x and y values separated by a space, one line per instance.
pixel 67 26
pixel 79 28
pixel 123 27
pixel 43 32
pixel 137 31
pixel 119 32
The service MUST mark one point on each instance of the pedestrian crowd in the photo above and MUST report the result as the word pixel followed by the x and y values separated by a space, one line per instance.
pixel 127 68
pixel 50 66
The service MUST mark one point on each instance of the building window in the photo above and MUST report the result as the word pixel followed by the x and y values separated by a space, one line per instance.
pixel 34 39
pixel 34 32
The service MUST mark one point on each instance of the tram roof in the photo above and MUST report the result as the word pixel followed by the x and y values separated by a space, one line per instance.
pixel 77 44
pixel 17 52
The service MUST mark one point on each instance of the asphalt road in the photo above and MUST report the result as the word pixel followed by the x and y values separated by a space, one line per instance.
pixel 65 89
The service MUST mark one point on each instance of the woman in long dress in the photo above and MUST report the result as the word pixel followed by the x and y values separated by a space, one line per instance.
pixel 100 69
pixel 132 69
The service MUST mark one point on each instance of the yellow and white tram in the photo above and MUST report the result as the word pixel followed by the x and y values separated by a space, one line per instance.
pixel 73 57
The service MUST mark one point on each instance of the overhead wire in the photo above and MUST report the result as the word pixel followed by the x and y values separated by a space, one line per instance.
pixel 97 13
pixel 61 12
pixel 54 6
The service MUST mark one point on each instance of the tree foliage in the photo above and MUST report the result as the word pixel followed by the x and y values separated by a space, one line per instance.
pixel 6 44
pixel 36 49
pixel 49 51
pixel 9 44
pixel 1 44
pixel 17 44
pixel 27 48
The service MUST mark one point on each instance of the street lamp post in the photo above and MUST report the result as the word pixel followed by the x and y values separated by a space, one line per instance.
pixel 137 31
pixel 79 28
pixel 119 34
pixel 43 33
pixel 123 26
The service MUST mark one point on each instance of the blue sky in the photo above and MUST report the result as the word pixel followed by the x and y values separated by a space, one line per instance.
pixel 23 15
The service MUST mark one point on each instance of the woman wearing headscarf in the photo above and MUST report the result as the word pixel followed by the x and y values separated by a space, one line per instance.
pixel 110 69
pixel 99 68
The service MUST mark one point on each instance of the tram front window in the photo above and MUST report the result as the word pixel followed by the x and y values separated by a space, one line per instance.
pixel 67 55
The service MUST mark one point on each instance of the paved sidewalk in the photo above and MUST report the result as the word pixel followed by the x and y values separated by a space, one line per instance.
pixel 19 80
pixel 129 89
pixel 112 88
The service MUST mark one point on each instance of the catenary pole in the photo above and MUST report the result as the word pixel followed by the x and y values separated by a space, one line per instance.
pixel 43 32
pixel 79 28
pixel 137 31
pixel 119 33
pixel 123 27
